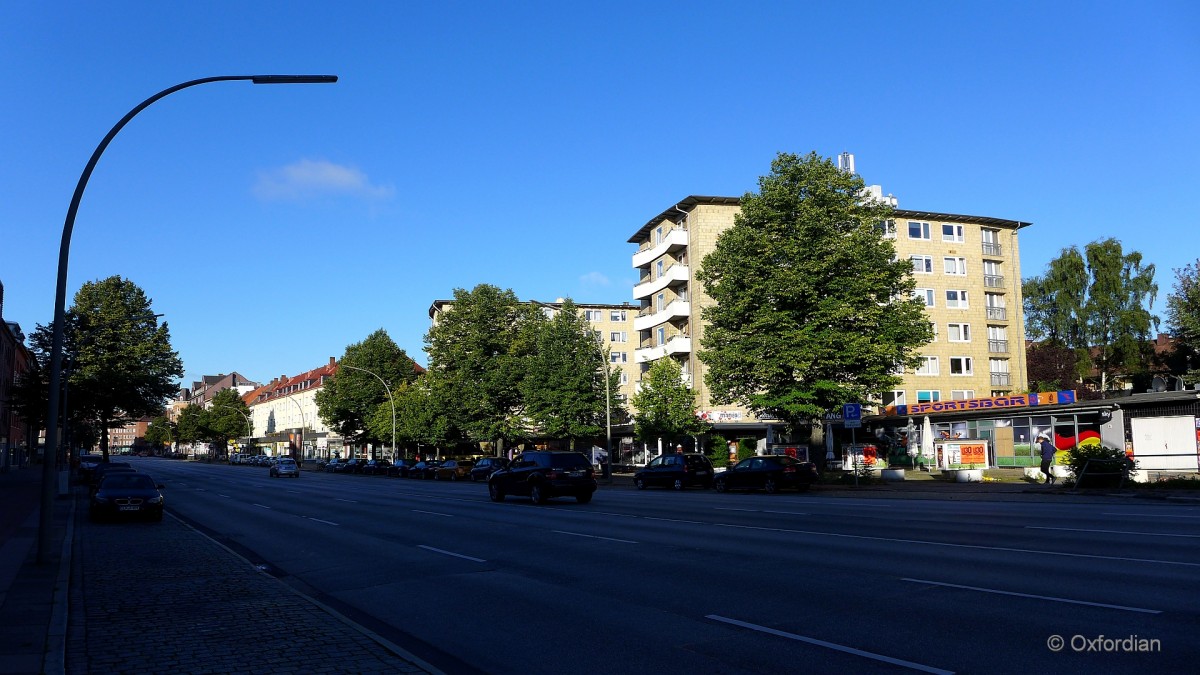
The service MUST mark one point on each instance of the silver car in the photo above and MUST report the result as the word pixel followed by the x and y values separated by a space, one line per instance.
pixel 286 466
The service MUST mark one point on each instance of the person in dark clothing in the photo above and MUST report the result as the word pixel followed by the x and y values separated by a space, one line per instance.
pixel 1047 449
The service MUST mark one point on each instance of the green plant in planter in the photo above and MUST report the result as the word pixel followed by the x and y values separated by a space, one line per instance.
pixel 1105 466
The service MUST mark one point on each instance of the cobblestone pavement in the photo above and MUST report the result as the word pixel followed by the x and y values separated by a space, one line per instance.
pixel 164 598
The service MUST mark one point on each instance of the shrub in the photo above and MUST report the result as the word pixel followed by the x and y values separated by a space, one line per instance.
pixel 747 447
pixel 718 450
pixel 1106 467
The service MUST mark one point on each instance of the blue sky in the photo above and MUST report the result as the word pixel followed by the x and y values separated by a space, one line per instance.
pixel 521 144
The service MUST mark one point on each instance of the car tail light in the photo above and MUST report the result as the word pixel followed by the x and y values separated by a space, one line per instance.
pixel 789 469
pixel 552 474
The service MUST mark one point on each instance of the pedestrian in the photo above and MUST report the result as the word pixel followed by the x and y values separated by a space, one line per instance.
pixel 1047 449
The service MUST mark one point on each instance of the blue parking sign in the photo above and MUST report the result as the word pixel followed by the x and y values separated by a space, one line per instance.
pixel 852 415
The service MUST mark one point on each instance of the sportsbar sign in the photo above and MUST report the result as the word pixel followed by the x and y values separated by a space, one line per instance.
pixel 1015 401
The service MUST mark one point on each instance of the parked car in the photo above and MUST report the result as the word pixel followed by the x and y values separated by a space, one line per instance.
pixel 352 465
pixel 676 470
pixel 453 469
pixel 484 467
pixel 424 469
pixel 332 465
pixel 400 468
pixel 126 494
pixel 376 467
pixel 103 468
pixel 286 466
pixel 544 475
pixel 769 472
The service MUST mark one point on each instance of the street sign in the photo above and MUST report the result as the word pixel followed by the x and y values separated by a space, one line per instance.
pixel 852 415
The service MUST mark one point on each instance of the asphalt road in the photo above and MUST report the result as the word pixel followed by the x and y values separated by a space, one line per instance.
pixel 699 582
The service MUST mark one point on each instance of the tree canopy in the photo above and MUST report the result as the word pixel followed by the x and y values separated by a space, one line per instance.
pixel 812 308
pixel 348 401
pixel 1183 321
pixel 666 405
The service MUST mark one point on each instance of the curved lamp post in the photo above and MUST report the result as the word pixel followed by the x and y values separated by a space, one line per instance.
pixel 299 407
pixel 390 401
pixel 249 428
pixel 50 456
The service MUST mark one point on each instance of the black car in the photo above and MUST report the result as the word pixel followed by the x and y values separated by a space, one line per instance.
pixel 677 470
pixel 352 465
pixel 486 466
pixel 376 467
pixel 400 468
pixel 544 475
pixel 126 494
pixel 769 472
pixel 423 469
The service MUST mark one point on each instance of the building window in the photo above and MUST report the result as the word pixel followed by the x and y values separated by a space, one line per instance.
pixel 660 302
pixel 658 235
pixel 956 266
pixel 658 267
pixel 617 357
pixel 929 366
pixel 961 394
pixel 956 299
pixel 929 396
pixel 925 295
pixel 959 332
pixel 618 336
pixel 933 329
pixel 624 378
pixel 952 232
pixel 918 230
pixel 961 365
pixel 616 315
pixel 922 264
pixel 893 398
pixel 888 229
pixel 593 314
pixel 662 335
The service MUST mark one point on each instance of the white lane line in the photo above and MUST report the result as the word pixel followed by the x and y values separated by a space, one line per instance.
pixel 969 546
pixel 348 501
pixel 830 645
pixel 295 492
pixel 674 520
pixel 789 513
pixel 592 536
pixel 262 507
pixel 1035 597
pixel 433 513
pixel 201 490
pixel 721 508
pixel 1144 534
pixel 456 555
pixel 327 522
pixel 1147 515
pixel 225 496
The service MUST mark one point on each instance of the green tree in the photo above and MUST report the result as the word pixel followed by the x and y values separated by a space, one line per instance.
pixel 349 400
pixel 160 432
pixel 812 309
pixel 1183 322
pixel 225 418
pixel 420 417
pixel 1054 301
pixel 564 386
pixel 124 367
pixel 478 351
pixel 666 406
pixel 191 427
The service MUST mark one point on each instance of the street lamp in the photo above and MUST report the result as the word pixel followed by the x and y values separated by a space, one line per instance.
pixel 46 521
pixel 249 428
pixel 390 401
pixel 604 358
pixel 301 409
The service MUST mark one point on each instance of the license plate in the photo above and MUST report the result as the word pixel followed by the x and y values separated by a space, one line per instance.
pixel 128 508
pixel 575 473
pixel 701 473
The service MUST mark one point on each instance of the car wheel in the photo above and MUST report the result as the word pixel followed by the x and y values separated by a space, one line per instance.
pixel 678 483
pixel 583 497
pixel 453 477
pixel 719 485
pixel 536 495
pixel 770 486
pixel 495 492
pixel 803 487
pixel 639 483
pixel 437 476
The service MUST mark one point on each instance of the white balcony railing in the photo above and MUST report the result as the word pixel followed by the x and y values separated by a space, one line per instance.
pixel 677 238
pixel 677 345
pixel 672 275
pixel 997 314
pixel 675 310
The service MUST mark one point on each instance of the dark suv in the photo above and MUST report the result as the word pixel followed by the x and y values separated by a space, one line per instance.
pixel 676 470
pixel 544 475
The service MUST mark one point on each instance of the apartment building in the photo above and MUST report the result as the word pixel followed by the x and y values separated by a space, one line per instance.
pixel 285 419
pixel 967 270
pixel 613 323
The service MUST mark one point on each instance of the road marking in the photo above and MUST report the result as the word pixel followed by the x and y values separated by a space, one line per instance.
pixel 789 513
pixel 830 645
pixel 262 507
pixel 1148 515
pixel 592 536
pixel 969 546
pixel 456 555
pixel 674 520
pixel 1035 597
pixel 433 513
pixel 348 501
pixel 327 522
pixel 295 492
pixel 721 508
pixel 201 490
pixel 1144 534
pixel 225 496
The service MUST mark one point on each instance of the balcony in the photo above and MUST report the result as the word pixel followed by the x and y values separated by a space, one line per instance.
pixel 677 309
pixel 677 273
pixel 998 346
pixel 992 250
pixel 676 239
pixel 1000 379
pixel 997 314
pixel 680 344
pixel 993 281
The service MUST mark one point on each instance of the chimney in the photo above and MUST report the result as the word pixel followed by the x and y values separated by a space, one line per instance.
pixel 332 361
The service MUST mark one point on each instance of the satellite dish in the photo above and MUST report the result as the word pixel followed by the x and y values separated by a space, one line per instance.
pixel 1158 384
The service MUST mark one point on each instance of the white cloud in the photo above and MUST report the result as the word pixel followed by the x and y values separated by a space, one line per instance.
pixel 312 178
pixel 594 279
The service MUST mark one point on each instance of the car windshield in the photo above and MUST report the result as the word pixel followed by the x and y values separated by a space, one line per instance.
pixel 569 461
pixel 286 462
pixel 787 460
pixel 125 481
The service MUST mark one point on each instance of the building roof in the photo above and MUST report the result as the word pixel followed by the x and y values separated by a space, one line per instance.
pixel 688 203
